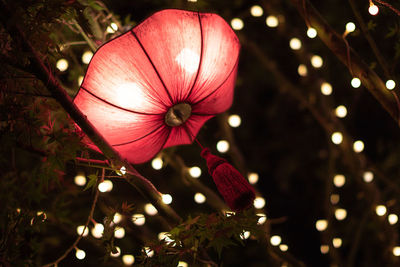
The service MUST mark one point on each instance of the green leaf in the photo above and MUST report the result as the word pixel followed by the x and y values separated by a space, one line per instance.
pixel 92 181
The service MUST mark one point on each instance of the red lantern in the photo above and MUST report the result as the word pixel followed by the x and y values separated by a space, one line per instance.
pixel 154 86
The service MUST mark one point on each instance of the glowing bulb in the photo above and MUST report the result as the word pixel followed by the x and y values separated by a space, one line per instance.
pixel 97 230
pixel 341 111
pixel 150 209
pixel 275 240
pixel 253 177
pixel 199 198
pixel 188 60
pixel 164 236
pixel 259 202
pixel 80 80
pixel 311 33
pixel 80 254
pixel 302 70
pixel 167 199
pixel 245 235
pixel 283 247
pixel 337 242
pixel 295 44
pixel 223 146
pixel 138 219
pixel 116 254
pixel 234 120
pixel 80 228
pixel 128 259
pixel 334 199
pixel 119 232
pixel 340 214
pixel 350 27
pixel 396 251
pixel 256 11
pixel 339 180
pixel 195 172
pixel 262 218
pixel 157 163
pixel 321 225
pixel 80 179
pixel 193 1
pixel 316 61
pixel 393 218
pixel 337 138
pixel 237 24
pixel 182 264
pixel 380 210
pixel 324 249
pixel 149 252
pixel 358 146
pixel 373 9
pixel 62 64
pixel 114 26
pixel 390 84
pixel 272 21
pixel 368 177
pixel 87 56
pixel 355 82
pixel 123 170
pixel 105 186
pixel 326 88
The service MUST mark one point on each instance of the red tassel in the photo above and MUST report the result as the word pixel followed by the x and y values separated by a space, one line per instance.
pixel 234 188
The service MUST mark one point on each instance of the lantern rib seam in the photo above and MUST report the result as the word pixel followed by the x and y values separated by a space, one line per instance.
pixel 151 132
pixel 115 106
pixel 152 64
pixel 201 56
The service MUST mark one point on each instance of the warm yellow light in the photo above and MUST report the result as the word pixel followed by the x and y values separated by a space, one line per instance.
pixel 116 254
pixel 302 70
pixel 390 84
pixel 380 210
pixel 355 82
pixel 149 252
pixel 350 27
pixel 80 254
pixel 123 170
pixel 87 56
pixel 262 218
pixel 272 21
pixel 256 11
pixel 275 240
pixel 164 236
pixel 339 180
pixel 114 26
pixel 128 259
pixel 340 214
pixel 80 179
pixel 283 247
pixel 97 230
pixel 80 80
pixel 245 235
pixel 223 146
pixel 150 209
pixel 117 217
pixel 341 111
pixel 324 249
pixel 167 199
pixel 373 9
pixel 295 43
pixel 119 232
pixel 138 219
pixel 199 198
pixel 316 61
pixel 110 29
pixel 195 172
pixel 396 251
pixel 80 228
pixel 358 146
pixel 259 202
pixel 321 225
pixel 326 88
pixel 334 199
pixel 368 177
pixel 337 242
pixel 105 186
pixel 337 138
pixel 237 24
pixel 253 177
pixel 62 64
pixel 182 264
pixel 393 218
pixel 234 120
pixel 194 1
pixel 311 32
pixel 157 163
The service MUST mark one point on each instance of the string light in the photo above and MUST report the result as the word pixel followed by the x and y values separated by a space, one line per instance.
pixel 128 259
pixel 80 228
pixel 390 84
pixel 193 1
pixel 237 24
pixel 182 264
pixel 97 230
pixel 373 9
pixel 316 61
pixel 123 170
pixel 326 88
pixel 339 180
pixel 195 172
pixel 105 186
pixel 334 199
pixel 341 111
pixel 350 27
pixel 167 199
pixel 80 80
pixel 311 32
pixel 295 43
pixel 380 210
pixel 62 64
pixel 199 198
pixel 324 249
pixel 222 146
pixel 80 179
pixel 340 214
pixel 252 177
pixel 149 252
pixel 80 254
pixel 117 218
pixel 256 11
pixel 262 218
pixel 393 218
pixel 245 235
pixel 138 219
pixel 283 247
pixel 157 163
pixel 337 138
pixel 358 146
pixel 275 240
pixel 355 82
pixel 150 209
pixel 337 242
pixel 87 56
pixel 302 70
pixel 119 232
pixel 234 120
pixel 368 177
pixel 259 202
pixel 112 28
pixel 321 225
pixel 272 21
pixel 396 251
pixel 164 236
pixel 116 254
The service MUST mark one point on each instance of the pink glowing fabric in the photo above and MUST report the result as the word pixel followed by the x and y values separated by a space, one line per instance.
pixel 172 57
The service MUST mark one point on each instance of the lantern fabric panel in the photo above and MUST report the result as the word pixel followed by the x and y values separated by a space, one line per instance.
pixel 172 40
